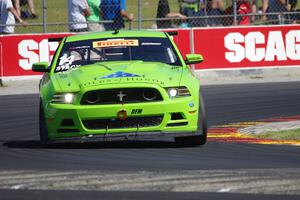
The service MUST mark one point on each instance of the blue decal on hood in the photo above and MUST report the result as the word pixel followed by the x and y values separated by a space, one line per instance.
pixel 120 74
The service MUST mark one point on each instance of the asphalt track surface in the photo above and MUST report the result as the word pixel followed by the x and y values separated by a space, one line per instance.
pixel 21 155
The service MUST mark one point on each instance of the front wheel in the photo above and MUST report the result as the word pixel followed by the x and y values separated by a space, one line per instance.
pixel 201 135
pixel 42 125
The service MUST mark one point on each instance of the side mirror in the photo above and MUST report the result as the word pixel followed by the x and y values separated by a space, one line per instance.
pixel 193 59
pixel 40 67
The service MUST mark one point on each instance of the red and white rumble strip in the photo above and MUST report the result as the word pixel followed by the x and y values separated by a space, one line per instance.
pixel 234 132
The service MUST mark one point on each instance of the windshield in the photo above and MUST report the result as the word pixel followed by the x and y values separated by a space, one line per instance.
pixel 80 53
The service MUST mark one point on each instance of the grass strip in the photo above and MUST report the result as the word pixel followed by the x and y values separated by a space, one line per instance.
pixel 282 135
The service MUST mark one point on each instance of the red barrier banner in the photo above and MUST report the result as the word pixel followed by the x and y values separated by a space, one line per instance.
pixel 19 52
pixel 226 47
pixel 1 64
pixel 244 47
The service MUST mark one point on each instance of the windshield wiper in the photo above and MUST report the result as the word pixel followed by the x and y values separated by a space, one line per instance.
pixel 106 67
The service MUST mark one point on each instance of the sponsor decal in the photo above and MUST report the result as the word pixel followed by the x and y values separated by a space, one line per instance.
pixel 115 43
pixel 136 111
pixel 257 46
pixel 119 74
pixel 66 63
pixel 128 79
pixel 151 44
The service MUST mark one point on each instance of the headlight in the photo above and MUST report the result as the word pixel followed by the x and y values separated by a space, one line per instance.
pixel 178 92
pixel 172 92
pixel 66 98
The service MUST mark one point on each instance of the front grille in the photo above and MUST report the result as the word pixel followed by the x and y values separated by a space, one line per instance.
pixel 131 122
pixel 121 95
pixel 176 116
pixel 67 122
pixel 177 124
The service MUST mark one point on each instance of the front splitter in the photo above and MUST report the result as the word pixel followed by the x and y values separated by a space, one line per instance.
pixel 124 136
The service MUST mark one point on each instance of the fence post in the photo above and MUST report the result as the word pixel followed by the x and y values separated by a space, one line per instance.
pixel 205 13
pixel 44 16
pixel 192 47
pixel 139 14
pixel 1 66
pixel 234 12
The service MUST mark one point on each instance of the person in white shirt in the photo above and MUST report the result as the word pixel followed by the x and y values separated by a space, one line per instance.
pixel 8 14
pixel 78 10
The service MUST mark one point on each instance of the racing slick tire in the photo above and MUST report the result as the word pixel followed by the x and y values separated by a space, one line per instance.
pixel 43 131
pixel 201 137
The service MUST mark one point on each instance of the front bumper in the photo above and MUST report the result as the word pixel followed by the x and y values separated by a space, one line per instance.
pixel 170 126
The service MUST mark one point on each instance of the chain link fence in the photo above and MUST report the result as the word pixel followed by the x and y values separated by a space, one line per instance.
pixel 52 15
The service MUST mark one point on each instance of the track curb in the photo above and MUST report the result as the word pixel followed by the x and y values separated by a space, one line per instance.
pixel 232 132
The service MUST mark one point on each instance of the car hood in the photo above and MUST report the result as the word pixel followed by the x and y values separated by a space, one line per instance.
pixel 119 72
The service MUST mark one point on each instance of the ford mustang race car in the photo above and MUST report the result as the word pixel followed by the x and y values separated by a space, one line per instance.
pixel 120 85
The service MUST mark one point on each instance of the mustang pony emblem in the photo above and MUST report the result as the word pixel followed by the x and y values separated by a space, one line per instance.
pixel 121 96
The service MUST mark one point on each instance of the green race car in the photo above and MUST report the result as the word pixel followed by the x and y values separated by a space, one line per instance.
pixel 120 86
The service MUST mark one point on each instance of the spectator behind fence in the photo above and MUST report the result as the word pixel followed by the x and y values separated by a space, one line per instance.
pixel 215 9
pixel 244 10
pixel 246 7
pixel 276 7
pixel 95 17
pixel 264 9
pixel 8 15
pixel 294 17
pixel 78 10
pixel 114 10
pixel 163 13
pixel 189 7
pixel 25 9
pixel 194 10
